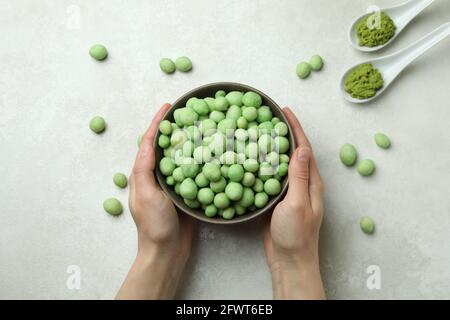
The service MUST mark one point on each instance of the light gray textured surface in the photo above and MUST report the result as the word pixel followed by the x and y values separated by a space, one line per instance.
pixel 55 172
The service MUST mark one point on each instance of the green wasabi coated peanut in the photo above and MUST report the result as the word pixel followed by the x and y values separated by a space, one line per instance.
pixel 227 127
pixel 178 175
pixel 235 98
pixel 272 187
pixel 241 134
pixel 249 179
pixel 264 114
pixel 170 181
pixel 265 127
pixel 177 187
pixel 273 158
pixel 165 127
pixel 228 213
pixel 189 167
pixel 367 225
pixel 250 114
pixel 382 140
pixel 221 201
pixel 275 120
pixel 261 199
pixel 265 171
pixel 113 206
pixel 234 191
pixel 97 124
pixel 242 123
pixel 193 133
pixel 211 211
pixel 281 144
pixel 281 129
pixel 201 180
pixel 98 52
pixel 303 70
pixel 233 112
pixel 208 127
pixel 253 133
pixel 190 102
pixel 228 157
pixel 183 64
pixel 219 185
pixel 217 116
pixel 265 143
pixel 174 126
pixel 251 165
pixel 282 169
pixel 201 107
pixel 284 158
pixel 166 166
pixel 224 170
pixel 348 154
pixel 221 104
pixel 163 141
pixel 212 172
pixel 252 99
pixel 248 198
pixel 178 137
pixel 220 93
pixel 366 167
pixel 236 172
pixel 188 189
pixel 251 150
pixel 210 102
pixel 205 196
pixel 193 204
pixel 120 180
pixel 240 210
pixel 187 149
pixel 188 116
pixel 167 65
pixel 202 154
pixel 316 62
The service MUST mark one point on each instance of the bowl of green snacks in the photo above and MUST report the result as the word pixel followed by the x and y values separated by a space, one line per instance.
pixel 223 152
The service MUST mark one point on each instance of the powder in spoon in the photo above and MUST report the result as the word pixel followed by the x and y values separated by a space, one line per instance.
pixel 375 29
pixel 363 81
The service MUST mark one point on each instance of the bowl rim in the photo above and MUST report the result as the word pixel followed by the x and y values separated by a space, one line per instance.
pixel 168 190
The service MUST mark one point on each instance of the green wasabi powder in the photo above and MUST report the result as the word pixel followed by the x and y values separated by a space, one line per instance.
pixel 376 29
pixel 364 81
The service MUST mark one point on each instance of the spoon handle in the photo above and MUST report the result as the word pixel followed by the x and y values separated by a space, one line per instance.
pixel 415 50
pixel 414 7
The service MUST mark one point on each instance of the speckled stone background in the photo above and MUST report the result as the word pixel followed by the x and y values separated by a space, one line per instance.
pixel 55 173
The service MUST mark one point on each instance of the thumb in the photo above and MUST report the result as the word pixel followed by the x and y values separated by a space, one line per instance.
pixel 299 175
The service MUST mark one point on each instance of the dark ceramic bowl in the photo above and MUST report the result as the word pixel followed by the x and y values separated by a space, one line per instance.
pixel 208 91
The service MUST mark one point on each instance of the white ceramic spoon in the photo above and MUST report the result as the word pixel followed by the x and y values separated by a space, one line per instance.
pixel 391 65
pixel 401 15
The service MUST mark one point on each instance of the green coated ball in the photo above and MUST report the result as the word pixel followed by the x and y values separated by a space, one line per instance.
pixel 219 185
pixel 205 196
pixel 382 140
pixel 228 213
pixel 366 167
pixel 165 127
pixel 303 70
pixel 272 187
pixel 248 198
pixel 235 98
pixel 261 199
pixel 211 211
pixel 234 191
pixel 120 180
pixel 113 206
pixel 348 154
pixel 221 201
pixel 167 65
pixel 252 99
pixel 236 172
pixel 98 52
pixel 183 64
pixel 316 62
pixel 367 225
pixel 188 189
pixel 166 166
pixel 97 124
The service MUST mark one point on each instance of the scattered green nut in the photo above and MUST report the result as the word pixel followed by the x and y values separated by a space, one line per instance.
pixel 316 62
pixel 120 180
pixel 382 140
pixel 98 52
pixel 97 124
pixel 348 154
pixel 167 65
pixel 303 70
pixel 367 225
pixel 183 64
pixel 366 167
pixel 113 206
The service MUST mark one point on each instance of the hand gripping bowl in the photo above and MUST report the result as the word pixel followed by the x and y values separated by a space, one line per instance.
pixel 209 90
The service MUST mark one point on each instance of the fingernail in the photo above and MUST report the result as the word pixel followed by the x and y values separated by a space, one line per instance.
pixel 303 153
